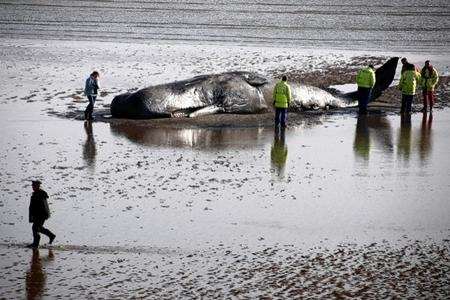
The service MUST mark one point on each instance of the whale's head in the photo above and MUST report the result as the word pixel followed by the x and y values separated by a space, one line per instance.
pixel 232 92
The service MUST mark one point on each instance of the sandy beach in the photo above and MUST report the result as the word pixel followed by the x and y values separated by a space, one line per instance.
pixel 219 207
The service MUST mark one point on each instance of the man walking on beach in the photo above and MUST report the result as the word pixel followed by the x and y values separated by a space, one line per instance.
pixel 365 80
pixel 281 101
pixel 408 83
pixel 429 79
pixel 38 214
pixel 90 89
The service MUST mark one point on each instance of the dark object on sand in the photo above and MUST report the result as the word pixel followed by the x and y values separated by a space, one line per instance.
pixel 231 92
pixel 384 77
pixel 234 92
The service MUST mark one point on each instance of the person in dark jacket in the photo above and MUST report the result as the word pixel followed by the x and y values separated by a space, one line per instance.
pixel 90 89
pixel 38 214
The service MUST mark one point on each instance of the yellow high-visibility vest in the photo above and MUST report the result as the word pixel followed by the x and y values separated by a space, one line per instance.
pixel 282 94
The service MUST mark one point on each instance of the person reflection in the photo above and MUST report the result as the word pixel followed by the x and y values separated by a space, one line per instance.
pixel 361 145
pixel 89 149
pixel 372 129
pixel 404 141
pixel 35 278
pixel 425 141
pixel 382 133
pixel 278 153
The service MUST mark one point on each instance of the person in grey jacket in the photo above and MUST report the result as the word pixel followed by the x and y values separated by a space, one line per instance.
pixel 90 89
pixel 38 214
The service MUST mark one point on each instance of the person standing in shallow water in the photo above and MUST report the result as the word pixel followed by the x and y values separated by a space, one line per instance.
pixel 38 214
pixel 365 80
pixel 429 79
pixel 90 89
pixel 281 100
pixel 407 85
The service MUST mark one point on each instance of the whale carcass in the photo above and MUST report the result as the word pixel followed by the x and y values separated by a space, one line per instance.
pixel 231 92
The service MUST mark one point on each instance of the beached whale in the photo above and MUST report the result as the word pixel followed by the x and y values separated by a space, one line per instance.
pixel 230 92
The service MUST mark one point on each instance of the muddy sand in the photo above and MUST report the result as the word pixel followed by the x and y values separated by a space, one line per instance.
pixel 416 270
pixel 185 208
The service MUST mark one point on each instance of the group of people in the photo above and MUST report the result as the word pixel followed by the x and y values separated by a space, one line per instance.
pixel 411 77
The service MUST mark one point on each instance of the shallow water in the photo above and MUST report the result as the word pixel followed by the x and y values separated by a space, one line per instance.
pixel 342 179
pixel 383 25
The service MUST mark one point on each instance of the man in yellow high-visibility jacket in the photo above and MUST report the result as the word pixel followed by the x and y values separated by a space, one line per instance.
pixel 365 80
pixel 408 84
pixel 281 100
pixel 429 79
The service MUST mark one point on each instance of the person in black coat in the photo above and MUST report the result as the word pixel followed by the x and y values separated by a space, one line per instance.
pixel 38 214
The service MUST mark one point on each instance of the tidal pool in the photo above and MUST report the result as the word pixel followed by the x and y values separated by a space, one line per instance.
pixel 335 179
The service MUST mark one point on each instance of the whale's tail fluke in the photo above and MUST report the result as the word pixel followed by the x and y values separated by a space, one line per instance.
pixel 384 76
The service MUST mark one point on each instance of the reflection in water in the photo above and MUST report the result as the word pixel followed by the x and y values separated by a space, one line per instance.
pixel 372 127
pixel 89 149
pixel 35 277
pixel 404 140
pixel 278 153
pixel 361 145
pixel 425 141
pixel 201 138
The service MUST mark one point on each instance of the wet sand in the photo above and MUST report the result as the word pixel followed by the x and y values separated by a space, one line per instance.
pixel 417 270
pixel 219 206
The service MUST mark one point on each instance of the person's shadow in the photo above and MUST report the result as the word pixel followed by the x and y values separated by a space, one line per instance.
pixel 35 278
pixel 404 140
pixel 278 153
pixel 425 141
pixel 89 148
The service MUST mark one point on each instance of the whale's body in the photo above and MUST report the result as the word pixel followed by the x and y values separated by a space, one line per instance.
pixel 231 92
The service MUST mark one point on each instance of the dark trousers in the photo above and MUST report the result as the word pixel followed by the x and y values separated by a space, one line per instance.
pixel 280 116
pixel 428 99
pixel 90 107
pixel 363 99
pixel 38 227
pixel 406 103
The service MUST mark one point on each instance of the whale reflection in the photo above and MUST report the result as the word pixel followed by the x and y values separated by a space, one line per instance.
pixel 199 138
